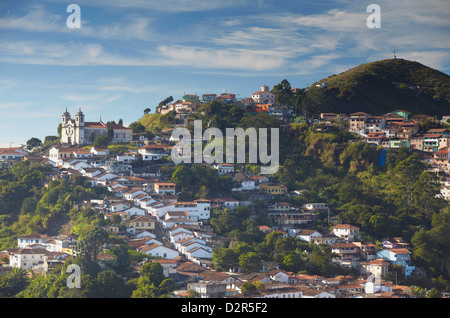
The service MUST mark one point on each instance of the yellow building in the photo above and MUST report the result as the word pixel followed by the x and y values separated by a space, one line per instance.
pixel 273 188
pixel 142 223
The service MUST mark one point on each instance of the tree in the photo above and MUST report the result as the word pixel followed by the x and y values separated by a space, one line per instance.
pixel 146 111
pixel 110 285
pixel 283 93
pixel 101 141
pixel 166 101
pixel 154 271
pixel 13 282
pixel 136 127
pixel 110 133
pixel 28 205
pixel 50 139
pixel 248 287
pixel 224 259
pixel 250 262
pixel 91 242
pixel 433 293
pixel 33 143
pixel 59 130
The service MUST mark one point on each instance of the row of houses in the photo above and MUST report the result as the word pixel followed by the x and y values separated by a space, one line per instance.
pixel 61 156
pixel 398 129
pixel 283 284
pixel 260 101
pixel 345 242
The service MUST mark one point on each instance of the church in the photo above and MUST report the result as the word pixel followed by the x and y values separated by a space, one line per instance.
pixel 80 132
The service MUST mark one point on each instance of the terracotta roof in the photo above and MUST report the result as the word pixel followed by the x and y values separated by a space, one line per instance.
pixel 345 226
pixel 399 251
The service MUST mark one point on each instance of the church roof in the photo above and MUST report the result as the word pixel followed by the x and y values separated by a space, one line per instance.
pixel 101 124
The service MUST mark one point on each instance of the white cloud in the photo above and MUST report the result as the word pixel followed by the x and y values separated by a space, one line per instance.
pixel 37 20
pixel 245 59
pixel 334 20
pixel 169 6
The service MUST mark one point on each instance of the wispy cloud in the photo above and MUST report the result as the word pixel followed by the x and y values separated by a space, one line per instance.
pixel 38 19
pixel 166 6
pixel 243 59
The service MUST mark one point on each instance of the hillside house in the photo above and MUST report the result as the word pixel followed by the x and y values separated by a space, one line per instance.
pixel 377 267
pixel 158 250
pixel 165 188
pixel 398 256
pixel 264 96
pixel 346 231
pixel 142 222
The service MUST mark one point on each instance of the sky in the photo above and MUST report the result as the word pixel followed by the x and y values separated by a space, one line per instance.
pixel 127 56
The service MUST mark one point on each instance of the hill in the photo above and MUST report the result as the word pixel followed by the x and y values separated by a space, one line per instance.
pixel 380 87
pixel 157 122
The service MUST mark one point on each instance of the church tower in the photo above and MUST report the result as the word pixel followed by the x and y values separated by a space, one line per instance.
pixel 65 117
pixel 79 127
pixel 66 128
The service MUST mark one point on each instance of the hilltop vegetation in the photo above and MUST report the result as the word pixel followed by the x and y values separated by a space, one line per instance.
pixel 156 122
pixel 380 87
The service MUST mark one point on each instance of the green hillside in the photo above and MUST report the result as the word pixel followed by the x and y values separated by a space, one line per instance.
pixel 380 87
pixel 157 122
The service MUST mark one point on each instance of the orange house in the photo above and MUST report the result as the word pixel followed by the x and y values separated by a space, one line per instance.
pixel 261 108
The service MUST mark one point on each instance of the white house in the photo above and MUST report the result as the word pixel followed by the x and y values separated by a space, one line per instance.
pixel 264 96
pixel 180 229
pixel 346 231
pixel 185 245
pixel 247 185
pixel 75 164
pixel 159 250
pixel 146 202
pixel 281 276
pixel 91 172
pixel 98 151
pixel 27 240
pixel 11 154
pixel 199 209
pixel 105 177
pixel 144 233
pixel 165 188
pixel 224 203
pixel 179 236
pixel 305 235
pixel 198 252
pixel 134 211
pixel 128 157
pixel 373 286
pixel 119 206
pixel 224 168
pixel 315 206
pixel 152 152
pixel 26 258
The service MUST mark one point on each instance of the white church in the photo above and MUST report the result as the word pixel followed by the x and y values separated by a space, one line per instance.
pixel 79 132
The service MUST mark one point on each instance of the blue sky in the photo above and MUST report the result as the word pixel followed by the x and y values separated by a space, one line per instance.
pixel 130 55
